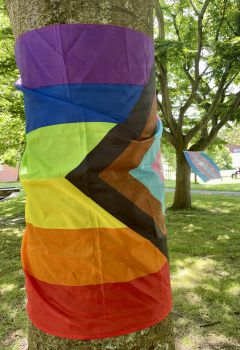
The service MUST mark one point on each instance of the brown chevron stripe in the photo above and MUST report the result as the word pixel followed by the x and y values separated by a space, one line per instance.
pixel 86 175
pixel 125 183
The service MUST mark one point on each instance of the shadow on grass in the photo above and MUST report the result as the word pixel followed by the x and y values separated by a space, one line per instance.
pixel 205 258
pixel 13 319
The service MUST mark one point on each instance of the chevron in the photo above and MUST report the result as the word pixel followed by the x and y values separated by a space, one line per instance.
pixel 91 176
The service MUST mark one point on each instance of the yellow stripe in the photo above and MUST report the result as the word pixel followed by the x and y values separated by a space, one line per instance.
pixel 88 256
pixel 56 203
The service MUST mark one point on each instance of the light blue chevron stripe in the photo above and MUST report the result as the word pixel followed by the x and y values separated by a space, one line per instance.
pixel 147 175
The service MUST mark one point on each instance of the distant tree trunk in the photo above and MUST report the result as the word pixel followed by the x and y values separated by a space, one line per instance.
pixel 195 178
pixel 27 15
pixel 182 197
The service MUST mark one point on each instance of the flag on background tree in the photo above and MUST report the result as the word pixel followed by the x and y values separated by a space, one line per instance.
pixel 202 165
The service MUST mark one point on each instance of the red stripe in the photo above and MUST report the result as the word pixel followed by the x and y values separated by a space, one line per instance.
pixel 99 311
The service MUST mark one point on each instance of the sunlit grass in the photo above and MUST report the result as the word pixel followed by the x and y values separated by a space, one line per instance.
pixel 204 256
pixel 205 259
pixel 10 184
pixel 225 185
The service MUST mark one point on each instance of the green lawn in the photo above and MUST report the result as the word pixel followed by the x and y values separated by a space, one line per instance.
pixel 205 258
pixel 226 185
pixel 10 184
pixel 12 295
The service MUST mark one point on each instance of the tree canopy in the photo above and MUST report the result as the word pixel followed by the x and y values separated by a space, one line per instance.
pixel 197 64
pixel 198 57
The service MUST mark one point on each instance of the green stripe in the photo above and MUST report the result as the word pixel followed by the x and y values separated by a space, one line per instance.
pixel 55 150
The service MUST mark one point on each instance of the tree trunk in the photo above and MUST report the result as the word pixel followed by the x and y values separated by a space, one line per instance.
pixel 26 15
pixel 158 337
pixel 182 197
pixel 195 178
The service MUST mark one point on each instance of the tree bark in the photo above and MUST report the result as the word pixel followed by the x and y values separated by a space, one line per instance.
pixel 158 337
pixel 27 15
pixel 182 197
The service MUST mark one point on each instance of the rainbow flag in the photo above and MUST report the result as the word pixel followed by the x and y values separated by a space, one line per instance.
pixel 94 250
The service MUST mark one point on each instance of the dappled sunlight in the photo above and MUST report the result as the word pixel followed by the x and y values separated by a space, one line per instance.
pixel 4 288
pixel 11 310
pixel 196 338
pixel 234 289
pixel 18 338
pixel 12 231
pixel 204 259
pixel 12 291
pixel 223 238
pixel 211 288
pixel 191 228
pixel 190 272
pixel 12 207
pixel 193 298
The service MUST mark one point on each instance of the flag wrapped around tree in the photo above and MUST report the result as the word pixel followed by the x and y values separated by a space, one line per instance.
pixel 94 251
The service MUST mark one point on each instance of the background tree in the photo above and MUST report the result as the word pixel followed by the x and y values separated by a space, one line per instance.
pixel 197 58
pixel 137 14
pixel 220 153
pixel 230 135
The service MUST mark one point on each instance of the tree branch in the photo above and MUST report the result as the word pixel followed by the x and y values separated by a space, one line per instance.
pixel 222 20
pixel 170 138
pixel 192 132
pixel 200 38
pixel 194 82
pixel 194 8
pixel 163 74
pixel 160 19
pixel 207 140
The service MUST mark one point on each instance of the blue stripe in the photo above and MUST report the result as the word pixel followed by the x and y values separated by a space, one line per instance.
pixel 79 103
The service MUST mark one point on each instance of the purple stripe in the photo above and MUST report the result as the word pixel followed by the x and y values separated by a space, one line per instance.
pixel 84 53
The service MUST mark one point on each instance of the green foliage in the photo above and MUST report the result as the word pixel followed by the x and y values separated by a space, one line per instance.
pixel 197 70
pixel 218 151
pixel 168 154
pixel 231 135
pixel 12 139
pixel 221 156
pixel 192 58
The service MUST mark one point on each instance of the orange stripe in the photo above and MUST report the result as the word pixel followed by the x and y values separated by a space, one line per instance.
pixel 75 257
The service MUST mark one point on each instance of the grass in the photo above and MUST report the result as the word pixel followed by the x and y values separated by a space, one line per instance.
pixel 10 184
pixel 12 294
pixel 225 185
pixel 204 256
